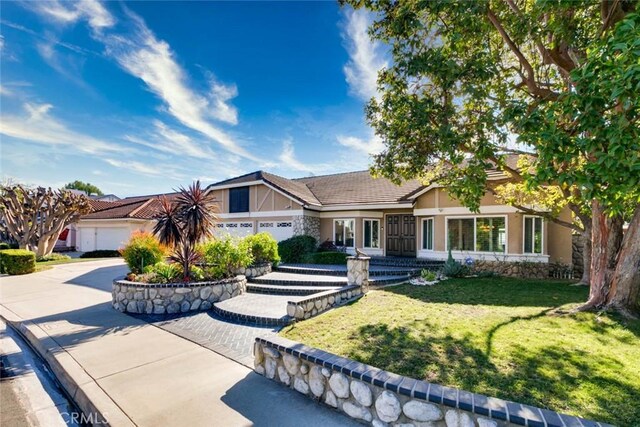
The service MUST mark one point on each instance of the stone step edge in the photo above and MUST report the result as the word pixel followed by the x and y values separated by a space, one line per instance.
pixel 491 407
pixel 250 318
pixel 312 272
pixel 279 282
pixel 256 288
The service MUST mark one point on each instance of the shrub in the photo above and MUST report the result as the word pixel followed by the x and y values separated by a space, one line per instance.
pixel 102 253
pixel 428 275
pixel 4 245
pixel 335 258
pixel 328 246
pixel 143 249
pixel 453 268
pixel 223 257
pixel 264 248
pixel 52 257
pixel 296 249
pixel 163 272
pixel 17 261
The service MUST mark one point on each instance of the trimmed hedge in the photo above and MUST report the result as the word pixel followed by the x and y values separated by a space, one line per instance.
pixel 102 253
pixel 296 248
pixel 333 258
pixel 4 245
pixel 17 261
pixel 264 248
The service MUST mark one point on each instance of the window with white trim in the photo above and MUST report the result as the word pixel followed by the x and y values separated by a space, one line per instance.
pixel 371 233
pixel 427 234
pixel 532 235
pixel 478 234
pixel 344 231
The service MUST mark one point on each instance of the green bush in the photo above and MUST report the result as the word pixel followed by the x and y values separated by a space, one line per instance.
pixel 163 272
pixel 334 258
pixel 223 257
pixel 17 261
pixel 102 253
pixel 428 275
pixel 142 250
pixel 4 245
pixel 52 257
pixel 453 268
pixel 264 248
pixel 297 248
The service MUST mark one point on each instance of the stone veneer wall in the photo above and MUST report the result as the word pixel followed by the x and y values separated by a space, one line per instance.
pixel 381 398
pixel 322 301
pixel 521 269
pixel 305 224
pixel 256 270
pixel 170 298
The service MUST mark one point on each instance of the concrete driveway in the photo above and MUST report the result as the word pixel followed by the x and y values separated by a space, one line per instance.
pixel 135 372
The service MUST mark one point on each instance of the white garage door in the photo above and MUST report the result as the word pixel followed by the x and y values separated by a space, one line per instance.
pixel 235 229
pixel 280 230
pixel 112 237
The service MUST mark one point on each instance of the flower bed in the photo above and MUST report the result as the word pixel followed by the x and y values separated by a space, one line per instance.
pixel 171 298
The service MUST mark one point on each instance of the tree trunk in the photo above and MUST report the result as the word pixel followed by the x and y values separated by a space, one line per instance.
pixel 586 256
pixel 625 283
pixel 606 236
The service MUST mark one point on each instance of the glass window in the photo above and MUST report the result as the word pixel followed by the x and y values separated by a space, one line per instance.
pixel 532 235
pixel 427 234
pixel 344 232
pixel 490 234
pixel 239 199
pixel 461 234
pixel 371 233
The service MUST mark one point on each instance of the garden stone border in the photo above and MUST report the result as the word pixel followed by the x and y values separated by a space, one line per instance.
pixel 378 397
pixel 255 270
pixel 320 302
pixel 171 298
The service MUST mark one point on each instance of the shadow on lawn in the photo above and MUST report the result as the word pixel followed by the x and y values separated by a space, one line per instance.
pixel 547 377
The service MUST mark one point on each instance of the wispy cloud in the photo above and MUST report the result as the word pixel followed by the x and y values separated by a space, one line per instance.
pixel 168 140
pixel 39 126
pixel 144 168
pixel 91 11
pixel 68 65
pixel 289 161
pixel 373 145
pixel 366 57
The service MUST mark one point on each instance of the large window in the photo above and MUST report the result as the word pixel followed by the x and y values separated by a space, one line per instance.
pixel 427 234
pixel 371 233
pixel 483 234
pixel 239 199
pixel 532 235
pixel 344 232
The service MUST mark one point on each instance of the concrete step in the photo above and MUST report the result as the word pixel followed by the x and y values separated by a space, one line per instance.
pixel 278 278
pixel 256 309
pixel 413 263
pixel 287 290
pixel 341 270
pixel 387 280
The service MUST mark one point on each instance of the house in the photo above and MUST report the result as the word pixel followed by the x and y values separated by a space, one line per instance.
pixel 352 210
pixel 105 198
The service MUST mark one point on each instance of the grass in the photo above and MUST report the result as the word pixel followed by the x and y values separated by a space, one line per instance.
pixel 508 338
pixel 46 265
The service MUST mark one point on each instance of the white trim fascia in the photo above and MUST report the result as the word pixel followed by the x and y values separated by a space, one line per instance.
pixel 484 210
pixel 424 190
pixel 392 205
pixel 485 256
pixel 240 184
pixel 265 214
pixel 308 212
pixel 352 214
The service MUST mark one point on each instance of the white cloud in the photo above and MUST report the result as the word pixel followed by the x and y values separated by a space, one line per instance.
pixel 168 140
pixel 92 11
pixel 373 145
pixel 366 57
pixel 39 126
pixel 290 162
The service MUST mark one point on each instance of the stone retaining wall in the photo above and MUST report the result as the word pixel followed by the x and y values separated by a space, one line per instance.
pixel 170 298
pixel 322 301
pixel 256 270
pixel 381 398
pixel 521 269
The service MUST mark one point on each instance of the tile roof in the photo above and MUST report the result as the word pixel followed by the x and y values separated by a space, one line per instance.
pixel 138 207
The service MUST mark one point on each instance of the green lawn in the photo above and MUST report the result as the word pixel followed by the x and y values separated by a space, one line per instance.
pixel 46 265
pixel 508 338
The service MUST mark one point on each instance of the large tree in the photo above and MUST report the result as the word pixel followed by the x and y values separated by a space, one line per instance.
pixel 88 188
pixel 35 217
pixel 557 82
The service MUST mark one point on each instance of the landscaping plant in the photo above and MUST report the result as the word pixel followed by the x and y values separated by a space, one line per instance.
pixel 264 248
pixel 223 257
pixel 428 275
pixel 453 268
pixel 17 261
pixel 184 222
pixel 296 248
pixel 142 250
pixel 52 257
pixel 331 258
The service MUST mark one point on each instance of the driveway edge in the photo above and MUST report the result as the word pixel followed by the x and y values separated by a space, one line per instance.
pixel 96 405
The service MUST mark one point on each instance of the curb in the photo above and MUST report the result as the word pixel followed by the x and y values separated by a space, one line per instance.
pixel 96 405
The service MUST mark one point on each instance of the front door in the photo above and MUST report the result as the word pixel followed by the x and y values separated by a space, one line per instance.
pixel 401 235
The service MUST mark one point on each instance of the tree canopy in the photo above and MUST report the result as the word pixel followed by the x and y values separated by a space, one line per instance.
pixel 88 188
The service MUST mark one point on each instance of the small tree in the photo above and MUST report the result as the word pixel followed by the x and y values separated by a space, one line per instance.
pixel 185 222
pixel 84 186
pixel 35 217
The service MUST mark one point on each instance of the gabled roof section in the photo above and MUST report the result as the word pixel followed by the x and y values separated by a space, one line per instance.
pixel 139 207
pixel 352 188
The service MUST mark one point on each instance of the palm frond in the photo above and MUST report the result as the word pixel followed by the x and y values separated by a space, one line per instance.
pixel 197 209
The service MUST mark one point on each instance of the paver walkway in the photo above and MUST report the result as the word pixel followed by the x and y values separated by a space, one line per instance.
pixel 153 376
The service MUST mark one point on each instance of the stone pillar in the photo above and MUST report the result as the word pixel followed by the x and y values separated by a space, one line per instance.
pixel 358 272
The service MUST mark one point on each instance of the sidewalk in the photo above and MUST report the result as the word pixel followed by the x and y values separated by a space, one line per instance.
pixel 135 373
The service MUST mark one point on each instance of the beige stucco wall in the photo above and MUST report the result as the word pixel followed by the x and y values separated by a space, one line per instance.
pixel 558 240
pixel 261 199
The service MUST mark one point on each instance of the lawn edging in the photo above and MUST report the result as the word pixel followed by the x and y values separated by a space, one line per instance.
pixel 94 403
pixel 320 302
pixel 378 397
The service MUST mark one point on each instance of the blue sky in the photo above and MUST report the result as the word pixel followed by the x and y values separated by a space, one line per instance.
pixel 141 97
